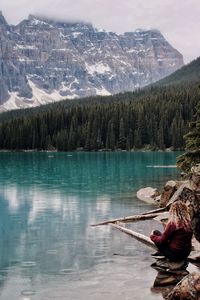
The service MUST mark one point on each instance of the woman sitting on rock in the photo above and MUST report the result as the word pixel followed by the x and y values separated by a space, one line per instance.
pixel 175 242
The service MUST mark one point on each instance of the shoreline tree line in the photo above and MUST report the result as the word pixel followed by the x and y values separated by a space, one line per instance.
pixel 154 118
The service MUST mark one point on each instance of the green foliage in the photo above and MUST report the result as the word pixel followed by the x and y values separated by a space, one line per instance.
pixel 155 116
pixel 187 160
pixel 189 74
pixel 192 157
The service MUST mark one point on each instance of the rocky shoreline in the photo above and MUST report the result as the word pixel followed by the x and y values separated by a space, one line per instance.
pixel 187 285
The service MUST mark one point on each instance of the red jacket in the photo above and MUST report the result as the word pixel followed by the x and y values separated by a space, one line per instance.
pixel 177 239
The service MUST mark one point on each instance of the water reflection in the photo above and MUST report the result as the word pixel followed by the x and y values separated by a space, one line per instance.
pixel 85 172
pixel 43 219
pixel 46 207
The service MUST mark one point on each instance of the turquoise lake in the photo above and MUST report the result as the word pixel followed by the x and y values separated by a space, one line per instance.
pixel 48 201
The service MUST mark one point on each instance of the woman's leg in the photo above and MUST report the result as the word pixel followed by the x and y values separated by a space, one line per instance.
pixel 168 253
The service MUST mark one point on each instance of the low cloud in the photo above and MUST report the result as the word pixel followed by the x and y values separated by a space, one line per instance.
pixel 178 20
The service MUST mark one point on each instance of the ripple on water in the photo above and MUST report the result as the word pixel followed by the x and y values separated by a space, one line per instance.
pixel 66 271
pixel 14 261
pixel 28 264
pixel 52 252
pixel 106 261
pixel 2 277
pixel 28 292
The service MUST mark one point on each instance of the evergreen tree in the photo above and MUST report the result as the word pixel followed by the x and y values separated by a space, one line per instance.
pixel 122 138
pixel 192 157
pixel 156 116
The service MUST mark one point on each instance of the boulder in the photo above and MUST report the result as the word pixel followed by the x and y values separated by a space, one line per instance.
pixel 169 278
pixel 195 216
pixel 149 195
pixel 195 178
pixel 169 189
pixel 195 200
pixel 170 266
pixel 187 289
pixel 189 196
pixel 192 199
pixel 194 256
pixel 169 273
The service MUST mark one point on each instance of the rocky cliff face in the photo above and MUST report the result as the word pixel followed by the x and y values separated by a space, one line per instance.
pixel 43 61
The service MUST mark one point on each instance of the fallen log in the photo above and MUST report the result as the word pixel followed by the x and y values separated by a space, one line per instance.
pixel 136 235
pixel 128 219
pixel 162 209
pixel 193 258
pixel 177 194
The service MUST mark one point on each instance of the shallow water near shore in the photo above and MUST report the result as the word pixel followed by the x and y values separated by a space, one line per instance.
pixel 48 201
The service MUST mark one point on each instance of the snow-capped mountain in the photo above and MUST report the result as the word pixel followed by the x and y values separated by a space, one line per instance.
pixel 44 61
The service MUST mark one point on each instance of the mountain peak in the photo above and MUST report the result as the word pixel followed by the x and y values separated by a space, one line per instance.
pixel 32 17
pixel 69 59
pixel 38 20
pixel 2 19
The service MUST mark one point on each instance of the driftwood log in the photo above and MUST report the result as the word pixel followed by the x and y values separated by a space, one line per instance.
pixel 193 258
pixel 157 210
pixel 136 235
pixel 134 218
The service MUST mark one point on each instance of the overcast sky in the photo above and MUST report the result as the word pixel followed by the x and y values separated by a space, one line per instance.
pixel 178 20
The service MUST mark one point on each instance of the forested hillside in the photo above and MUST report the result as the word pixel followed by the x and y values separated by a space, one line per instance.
pixel 153 118
pixel 186 75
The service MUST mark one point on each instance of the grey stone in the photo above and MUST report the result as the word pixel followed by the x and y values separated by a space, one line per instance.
pixel 187 289
pixel 149 195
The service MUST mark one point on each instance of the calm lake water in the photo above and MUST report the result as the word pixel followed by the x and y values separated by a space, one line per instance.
pixel 48 201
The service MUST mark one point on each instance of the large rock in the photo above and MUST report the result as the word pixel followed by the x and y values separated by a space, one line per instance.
pixel 149 195
pixel 192 199
pixel 187 289
pixel 169 273
pixel 170 266
pixel 195 200
pixel 194 256
pixel 164 278
pixel 195 216
pixel 190 194
pixel 169 189
pixel 195 179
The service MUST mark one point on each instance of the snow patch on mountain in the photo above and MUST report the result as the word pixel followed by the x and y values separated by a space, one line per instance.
pixel 100 68
pixel 44 61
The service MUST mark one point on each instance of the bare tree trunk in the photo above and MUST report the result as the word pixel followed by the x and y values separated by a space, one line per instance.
pixel 138 236
pixel 134 218
pixel 162 209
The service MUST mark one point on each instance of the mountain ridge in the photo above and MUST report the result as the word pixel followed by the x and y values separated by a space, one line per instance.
pixel 162 86
pixel 155 117
pixel 189 73
pixel 46 60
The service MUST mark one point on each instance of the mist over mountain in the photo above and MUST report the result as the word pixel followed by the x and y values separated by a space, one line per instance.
pixel 43 61
pixel 188 74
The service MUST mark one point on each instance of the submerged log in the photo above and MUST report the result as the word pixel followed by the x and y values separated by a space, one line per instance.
pixel 136 235
pixel 128 219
